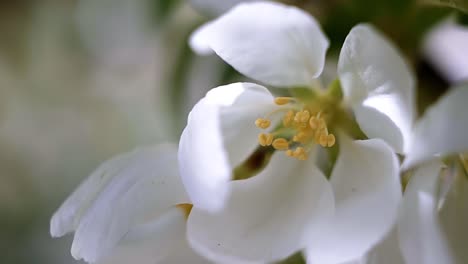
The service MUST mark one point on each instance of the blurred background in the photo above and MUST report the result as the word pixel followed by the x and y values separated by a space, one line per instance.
pixel 83 80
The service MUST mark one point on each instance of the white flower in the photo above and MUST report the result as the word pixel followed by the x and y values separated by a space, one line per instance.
pixel 433 217
pixel 132 209
pixel 290 205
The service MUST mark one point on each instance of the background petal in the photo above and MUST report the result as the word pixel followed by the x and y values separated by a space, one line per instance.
pixel 420 233
pixel 219 135
pixel 161 240
pixel 443 129
pixel 367 191
pixel 273 43
pixel 267 216
pixel 378 84
pixel 143 189
pixel 67 217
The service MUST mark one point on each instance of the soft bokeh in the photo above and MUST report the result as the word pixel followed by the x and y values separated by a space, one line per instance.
pixel 81 81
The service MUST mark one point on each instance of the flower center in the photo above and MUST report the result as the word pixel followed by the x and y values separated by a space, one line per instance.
pixel 303 126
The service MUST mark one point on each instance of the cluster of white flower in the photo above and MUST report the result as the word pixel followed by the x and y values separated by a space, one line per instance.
pixel 257 178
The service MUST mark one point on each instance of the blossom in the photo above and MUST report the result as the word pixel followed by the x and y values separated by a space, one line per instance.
pixel 432 221
pixel 132 208
pixel 291 204
pixel 432 216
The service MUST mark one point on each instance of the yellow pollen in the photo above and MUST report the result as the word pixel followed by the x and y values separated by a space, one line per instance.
pixel 262 123
pixel 300 153
pixel 288 118
pixel 283 100
pixel 331 140
pixel 280 144
pixel 300 131
pixel 265 139
pixel 323 140
pixel 302 116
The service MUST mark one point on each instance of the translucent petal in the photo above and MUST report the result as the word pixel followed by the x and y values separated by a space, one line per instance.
pixel 161 240
pixel 379 85
pixel 420 233
pixel 367 189
pixel 443 129
pixel 145 188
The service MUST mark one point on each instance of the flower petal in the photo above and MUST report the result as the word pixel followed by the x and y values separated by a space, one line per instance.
pixel 268 215
pixel 219 135
pixel 367 189
pixel 378 84
pixel 146 187
pixel 270 42
pixel 421 237
pixel 67 217
pixel 443 129
pixel 161 240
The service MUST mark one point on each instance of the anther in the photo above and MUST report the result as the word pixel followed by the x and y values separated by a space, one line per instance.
pixel 300 153
pixel 289 153
pixel 280 144
pixel 283 100
pixel 265 139
pixel 330 140
pixel 262 123
pixel 323 140
pixel 302 116
pixel 301 137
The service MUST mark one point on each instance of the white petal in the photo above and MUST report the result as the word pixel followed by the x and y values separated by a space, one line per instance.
pixel 146 187
pixel 270 42
pixel 367 191
pixel 267 216
pixel 443 129
pixel 219 135
pixel 387 251
pixel 67 217
pixel 162 240
pixel 378 84
pixel 421 237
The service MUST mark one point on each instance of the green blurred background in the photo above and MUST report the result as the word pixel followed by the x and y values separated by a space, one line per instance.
pixel 83 80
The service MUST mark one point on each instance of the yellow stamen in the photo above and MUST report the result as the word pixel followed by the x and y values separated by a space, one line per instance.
pixel 331 140
pixel 288 118
pixel 302 116
pixel 262 123
pixel 280 144
pixel 265 139
pixel 289 153
pixel 300 153
pixel 283 100
pixel 313 123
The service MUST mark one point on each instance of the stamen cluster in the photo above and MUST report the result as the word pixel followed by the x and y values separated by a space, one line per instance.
pixel 303 127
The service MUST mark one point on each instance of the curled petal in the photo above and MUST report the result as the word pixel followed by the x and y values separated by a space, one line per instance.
pixel 267 217
pixel 379 86
pixel 270 42
pixel 219 135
